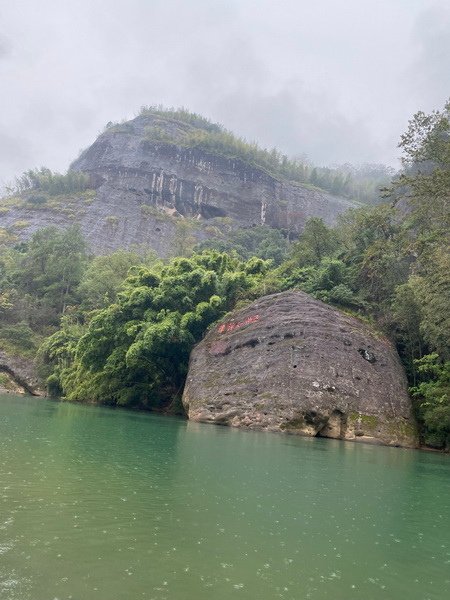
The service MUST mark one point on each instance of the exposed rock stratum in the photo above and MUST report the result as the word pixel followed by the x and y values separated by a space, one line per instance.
pixel 22 372
pixel 288 362
pixel 143 189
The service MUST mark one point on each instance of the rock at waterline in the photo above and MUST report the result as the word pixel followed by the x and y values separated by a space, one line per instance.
pixel 288 362
pixel 20 373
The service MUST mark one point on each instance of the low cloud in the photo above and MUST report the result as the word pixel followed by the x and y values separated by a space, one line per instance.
pixel 331 81
pixel 5 47
pixel 14 154
pixel 428 75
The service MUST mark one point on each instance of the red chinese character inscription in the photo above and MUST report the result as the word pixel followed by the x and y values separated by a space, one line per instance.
pixel 228 327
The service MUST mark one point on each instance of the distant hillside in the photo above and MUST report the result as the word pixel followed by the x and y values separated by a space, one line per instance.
pixel 167 179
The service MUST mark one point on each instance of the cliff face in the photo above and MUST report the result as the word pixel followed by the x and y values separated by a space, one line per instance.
pixel 22 372
pixel 290 363
pixel 144 188
pixel 196 183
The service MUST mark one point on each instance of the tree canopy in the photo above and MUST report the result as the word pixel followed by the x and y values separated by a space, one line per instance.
pixel 136 351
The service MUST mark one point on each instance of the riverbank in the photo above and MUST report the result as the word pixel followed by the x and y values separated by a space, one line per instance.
pixel 183 417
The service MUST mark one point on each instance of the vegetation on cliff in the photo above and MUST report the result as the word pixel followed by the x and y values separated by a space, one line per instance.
pixel 361 183
pixel 35 184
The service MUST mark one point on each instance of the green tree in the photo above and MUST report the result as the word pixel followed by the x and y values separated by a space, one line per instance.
pixel 261 241
pixel 433 395
pixel 51 269
pixel 424 187
pixel 372 247
pixel 315 242
pixel 105 275
pixel 52 183
pixel 136 350
pixel 407 318
pixel 432 288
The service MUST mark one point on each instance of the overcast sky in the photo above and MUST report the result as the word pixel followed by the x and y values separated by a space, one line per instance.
pixel 336 80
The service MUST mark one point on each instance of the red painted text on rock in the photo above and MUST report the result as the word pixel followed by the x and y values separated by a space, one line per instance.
pixel 227 327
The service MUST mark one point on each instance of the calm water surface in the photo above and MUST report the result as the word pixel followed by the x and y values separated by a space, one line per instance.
pixel 110 505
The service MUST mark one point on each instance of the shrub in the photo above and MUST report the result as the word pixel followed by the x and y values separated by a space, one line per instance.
pixel 37 199
pixel 19 334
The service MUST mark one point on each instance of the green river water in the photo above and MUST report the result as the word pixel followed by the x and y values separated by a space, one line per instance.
pixel 108 504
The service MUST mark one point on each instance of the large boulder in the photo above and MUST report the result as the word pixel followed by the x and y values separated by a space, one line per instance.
pixel 288 362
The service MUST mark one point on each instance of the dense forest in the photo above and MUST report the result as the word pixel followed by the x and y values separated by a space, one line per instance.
pixel 118 329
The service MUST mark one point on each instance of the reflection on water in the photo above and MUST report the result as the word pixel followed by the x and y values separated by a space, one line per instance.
pixel 109 504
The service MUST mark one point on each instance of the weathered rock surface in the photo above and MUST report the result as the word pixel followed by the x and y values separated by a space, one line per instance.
pixel 196 183
pixel 291 363
pixel 22 372
pixel 143 189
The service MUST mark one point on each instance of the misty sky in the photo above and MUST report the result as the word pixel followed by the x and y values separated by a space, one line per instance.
pixel 336 80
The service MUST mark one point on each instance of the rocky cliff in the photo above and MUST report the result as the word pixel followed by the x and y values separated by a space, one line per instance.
pixel 144 185
pixel 291 363
pixel 21 373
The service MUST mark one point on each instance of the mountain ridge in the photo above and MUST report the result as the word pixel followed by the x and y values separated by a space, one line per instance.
pixel 150 173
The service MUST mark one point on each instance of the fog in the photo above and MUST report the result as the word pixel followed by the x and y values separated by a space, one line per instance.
pixel 333 80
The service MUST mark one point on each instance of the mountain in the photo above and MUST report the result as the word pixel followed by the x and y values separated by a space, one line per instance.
pixel 165 175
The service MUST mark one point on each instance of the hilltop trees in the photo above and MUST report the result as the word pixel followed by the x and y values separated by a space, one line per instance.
pixel 47 181
pixel 362 183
